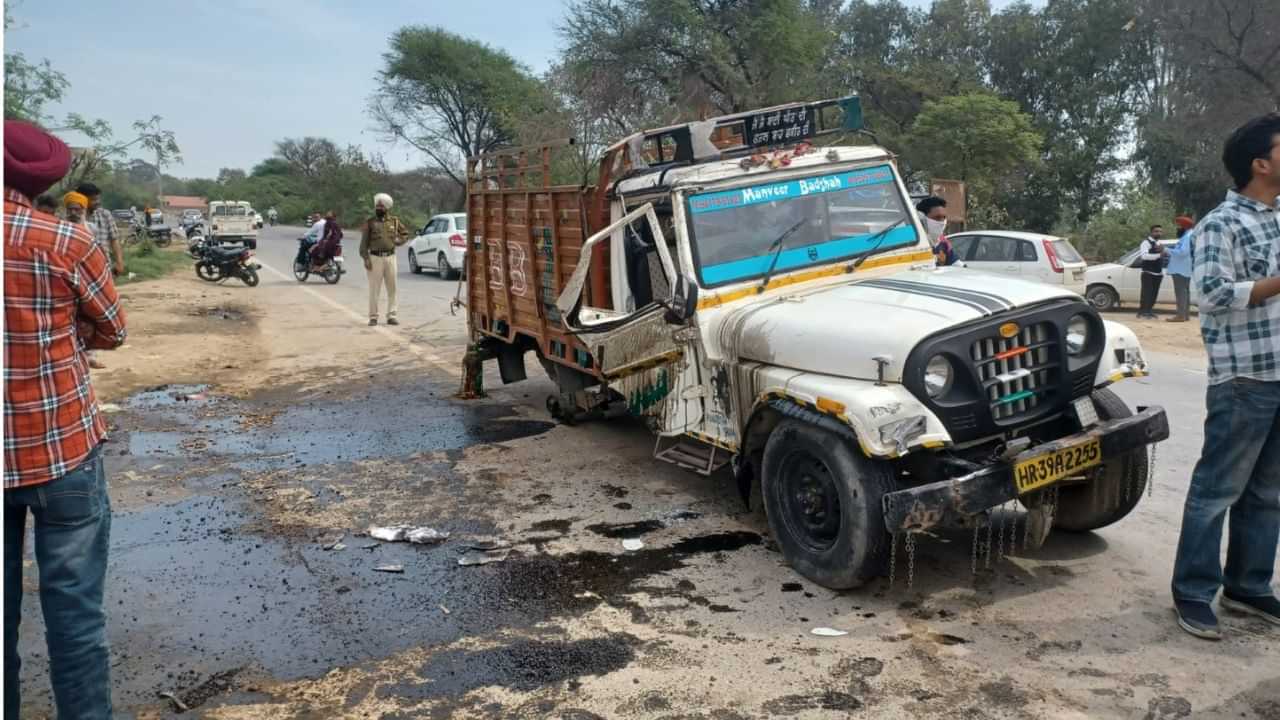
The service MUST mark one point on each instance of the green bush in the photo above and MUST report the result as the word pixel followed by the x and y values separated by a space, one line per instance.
pixel 1121 226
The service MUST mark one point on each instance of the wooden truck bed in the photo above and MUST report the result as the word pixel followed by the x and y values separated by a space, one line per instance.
pixel 525 241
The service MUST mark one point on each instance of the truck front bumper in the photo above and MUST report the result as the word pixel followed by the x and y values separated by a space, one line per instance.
pixel 925 506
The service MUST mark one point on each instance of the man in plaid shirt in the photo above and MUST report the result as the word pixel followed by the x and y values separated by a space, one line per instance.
pixel 104 226
pixel 1236 267
pixel 58 299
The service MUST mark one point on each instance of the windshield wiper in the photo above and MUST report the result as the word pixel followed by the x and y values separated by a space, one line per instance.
pixel 776 246
pixel 879 238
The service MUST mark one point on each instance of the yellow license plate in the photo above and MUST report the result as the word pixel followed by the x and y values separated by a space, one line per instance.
pixel 1051 467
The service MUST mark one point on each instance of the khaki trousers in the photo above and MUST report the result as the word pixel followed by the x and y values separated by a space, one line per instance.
pixel 383 271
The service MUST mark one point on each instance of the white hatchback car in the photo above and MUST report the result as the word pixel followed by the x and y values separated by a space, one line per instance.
pixel 1031 256
pixel 441 245
pixel 1111 285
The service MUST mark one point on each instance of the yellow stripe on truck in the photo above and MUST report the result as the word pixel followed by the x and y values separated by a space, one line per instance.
pixel 724 298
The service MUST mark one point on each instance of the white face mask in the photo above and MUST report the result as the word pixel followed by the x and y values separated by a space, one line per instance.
pixel 934 228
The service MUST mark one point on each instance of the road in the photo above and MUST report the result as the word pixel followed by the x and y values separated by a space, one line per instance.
pixel 241 580
pixel 419 295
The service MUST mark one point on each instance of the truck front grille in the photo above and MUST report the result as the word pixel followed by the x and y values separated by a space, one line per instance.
pixel 1018 374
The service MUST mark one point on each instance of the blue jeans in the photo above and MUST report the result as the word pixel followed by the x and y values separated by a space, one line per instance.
pixel 72 527
pixel 1239 471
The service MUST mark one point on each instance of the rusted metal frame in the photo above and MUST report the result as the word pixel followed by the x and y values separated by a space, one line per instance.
pixel 925 506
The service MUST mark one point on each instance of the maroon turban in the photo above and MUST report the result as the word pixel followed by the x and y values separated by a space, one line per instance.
pixel 33 159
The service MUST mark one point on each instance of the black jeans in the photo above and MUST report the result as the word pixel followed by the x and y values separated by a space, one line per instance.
pixel 1150 291
pixel 1182 293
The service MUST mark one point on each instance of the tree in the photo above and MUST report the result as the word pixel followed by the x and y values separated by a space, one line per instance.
pixel 1075 68
pixel 698 57
pixel 450 97
pixel 1209 67
pixel 307 156
pixel 271 166
pixel 977 138
pixel 29 87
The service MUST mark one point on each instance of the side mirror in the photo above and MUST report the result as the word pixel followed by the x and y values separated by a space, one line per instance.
pixel 684 302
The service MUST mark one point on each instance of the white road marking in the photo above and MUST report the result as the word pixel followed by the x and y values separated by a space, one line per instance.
pixel 453 367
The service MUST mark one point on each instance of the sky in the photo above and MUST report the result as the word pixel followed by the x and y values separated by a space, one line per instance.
pixel 231 77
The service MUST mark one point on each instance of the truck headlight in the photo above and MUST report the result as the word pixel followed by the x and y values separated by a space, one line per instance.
pixel 1077 334
pixel 938 376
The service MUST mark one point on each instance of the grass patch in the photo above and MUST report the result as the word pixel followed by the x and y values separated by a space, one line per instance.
pixel 144 261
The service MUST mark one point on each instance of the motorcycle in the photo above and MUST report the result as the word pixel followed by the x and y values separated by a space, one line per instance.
pixel 196 241
pixel 331 271
pixel 219 263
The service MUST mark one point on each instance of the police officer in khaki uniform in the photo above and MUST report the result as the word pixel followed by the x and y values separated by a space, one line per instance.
pixel 383 233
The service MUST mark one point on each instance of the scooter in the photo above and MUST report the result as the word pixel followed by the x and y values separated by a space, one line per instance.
pixel 219 263
pixel 331 271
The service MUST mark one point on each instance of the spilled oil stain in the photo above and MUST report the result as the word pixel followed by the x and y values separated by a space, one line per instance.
pixel 522 665
pixel 796 704
pixel 556 526
pixel 317 431
pixel 626 530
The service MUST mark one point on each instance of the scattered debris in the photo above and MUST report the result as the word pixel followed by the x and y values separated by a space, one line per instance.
pixel 401 533
pixel 178 705
pixel 828 632
pixel 389 568
pixel 336 544
pixel 486 547
pixel 370 546
pixel 481 558
pixel 191 397
pixel 444 609
pixel 632 544
pixel 109 407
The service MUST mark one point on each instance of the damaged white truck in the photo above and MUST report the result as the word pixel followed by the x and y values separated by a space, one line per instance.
pixel 772 305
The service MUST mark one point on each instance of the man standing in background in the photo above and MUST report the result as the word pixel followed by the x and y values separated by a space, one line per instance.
pixel 58 298
pixel 1179 269
pixel 383 233
pixel 1151 259
pixel 104 224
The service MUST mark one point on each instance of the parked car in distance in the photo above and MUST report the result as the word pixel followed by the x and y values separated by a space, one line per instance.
pixel 1111 285
pixel 124 218
pixel 441 245
pixel 1031 256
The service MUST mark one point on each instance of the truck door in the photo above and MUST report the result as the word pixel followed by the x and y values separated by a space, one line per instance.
pixel 638 349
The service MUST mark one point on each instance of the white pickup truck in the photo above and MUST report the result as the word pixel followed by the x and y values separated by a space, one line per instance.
pixel 232 222
pixel 774 306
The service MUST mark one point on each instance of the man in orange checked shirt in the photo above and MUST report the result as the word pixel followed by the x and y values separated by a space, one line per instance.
pixel 59 299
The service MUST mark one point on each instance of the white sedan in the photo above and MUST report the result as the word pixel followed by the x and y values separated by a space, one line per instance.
pixel 441 245
pixel 1031 256
pixel 1114 284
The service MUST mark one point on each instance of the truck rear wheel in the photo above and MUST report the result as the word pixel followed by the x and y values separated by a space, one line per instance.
pixel 822 499
pixel 1113 490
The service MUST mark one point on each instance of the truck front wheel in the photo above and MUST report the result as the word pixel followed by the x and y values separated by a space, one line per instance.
pixel 822 499
pixel 1113 490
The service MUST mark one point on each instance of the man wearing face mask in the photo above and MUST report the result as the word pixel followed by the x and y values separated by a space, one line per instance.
pixel 933 214
pixel 383 233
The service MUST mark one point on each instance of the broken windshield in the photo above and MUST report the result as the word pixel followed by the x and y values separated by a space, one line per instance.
pixel 839 216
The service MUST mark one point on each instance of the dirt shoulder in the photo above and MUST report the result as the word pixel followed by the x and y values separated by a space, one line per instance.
pixel 1159 335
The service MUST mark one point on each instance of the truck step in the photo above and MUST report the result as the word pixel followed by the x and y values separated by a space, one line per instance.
pixel 691 454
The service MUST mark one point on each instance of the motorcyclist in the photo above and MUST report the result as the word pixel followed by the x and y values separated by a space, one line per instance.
pixel 272 215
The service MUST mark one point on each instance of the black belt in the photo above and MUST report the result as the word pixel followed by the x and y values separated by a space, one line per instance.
pixel 382 253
